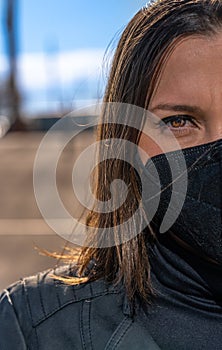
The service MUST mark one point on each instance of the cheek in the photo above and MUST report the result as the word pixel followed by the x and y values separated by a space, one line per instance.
pixel 148 148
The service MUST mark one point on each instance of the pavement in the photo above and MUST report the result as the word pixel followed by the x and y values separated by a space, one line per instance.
pixel 22 227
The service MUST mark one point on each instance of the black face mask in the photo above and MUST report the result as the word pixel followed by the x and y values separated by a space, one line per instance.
pixel 198 220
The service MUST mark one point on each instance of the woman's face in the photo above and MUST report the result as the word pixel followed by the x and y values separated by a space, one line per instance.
pixel 188 97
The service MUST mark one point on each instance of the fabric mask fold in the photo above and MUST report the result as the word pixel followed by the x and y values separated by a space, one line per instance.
pixel 198 222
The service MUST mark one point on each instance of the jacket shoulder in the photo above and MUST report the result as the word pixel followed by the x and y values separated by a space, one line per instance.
pixel 41 295
pixel 42 312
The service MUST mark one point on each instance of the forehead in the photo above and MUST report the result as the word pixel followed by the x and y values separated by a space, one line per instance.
pixel 194 67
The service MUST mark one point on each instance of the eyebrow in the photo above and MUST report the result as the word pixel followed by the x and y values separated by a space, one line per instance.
pixel 177 108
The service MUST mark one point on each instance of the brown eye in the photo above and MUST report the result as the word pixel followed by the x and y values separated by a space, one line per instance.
pixel 178 123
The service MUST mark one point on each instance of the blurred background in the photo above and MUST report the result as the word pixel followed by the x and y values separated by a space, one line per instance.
pixel 53 60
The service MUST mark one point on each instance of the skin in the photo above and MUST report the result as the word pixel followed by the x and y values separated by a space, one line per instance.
pixel 191 79
pixel 190 85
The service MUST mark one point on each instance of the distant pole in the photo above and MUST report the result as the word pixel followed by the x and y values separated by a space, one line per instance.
pixel 12 49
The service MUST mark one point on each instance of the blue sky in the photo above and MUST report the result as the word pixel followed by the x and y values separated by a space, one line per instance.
pixel 62 43
pixel 75 23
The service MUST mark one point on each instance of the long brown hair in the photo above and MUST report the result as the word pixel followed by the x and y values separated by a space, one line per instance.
pixel 140 55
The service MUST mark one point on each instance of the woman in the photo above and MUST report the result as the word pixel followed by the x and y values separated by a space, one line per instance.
pixel 148 290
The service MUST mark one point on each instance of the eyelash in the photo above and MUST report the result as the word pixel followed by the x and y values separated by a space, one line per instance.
pixel 179 118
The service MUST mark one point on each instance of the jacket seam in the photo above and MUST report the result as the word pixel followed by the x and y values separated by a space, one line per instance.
pixel 57 294
pixel 37 340
pixel 85 325
pixel 29 311
pixel 119 333
pixel 40 296
pixel 122 335
pixel 38 322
